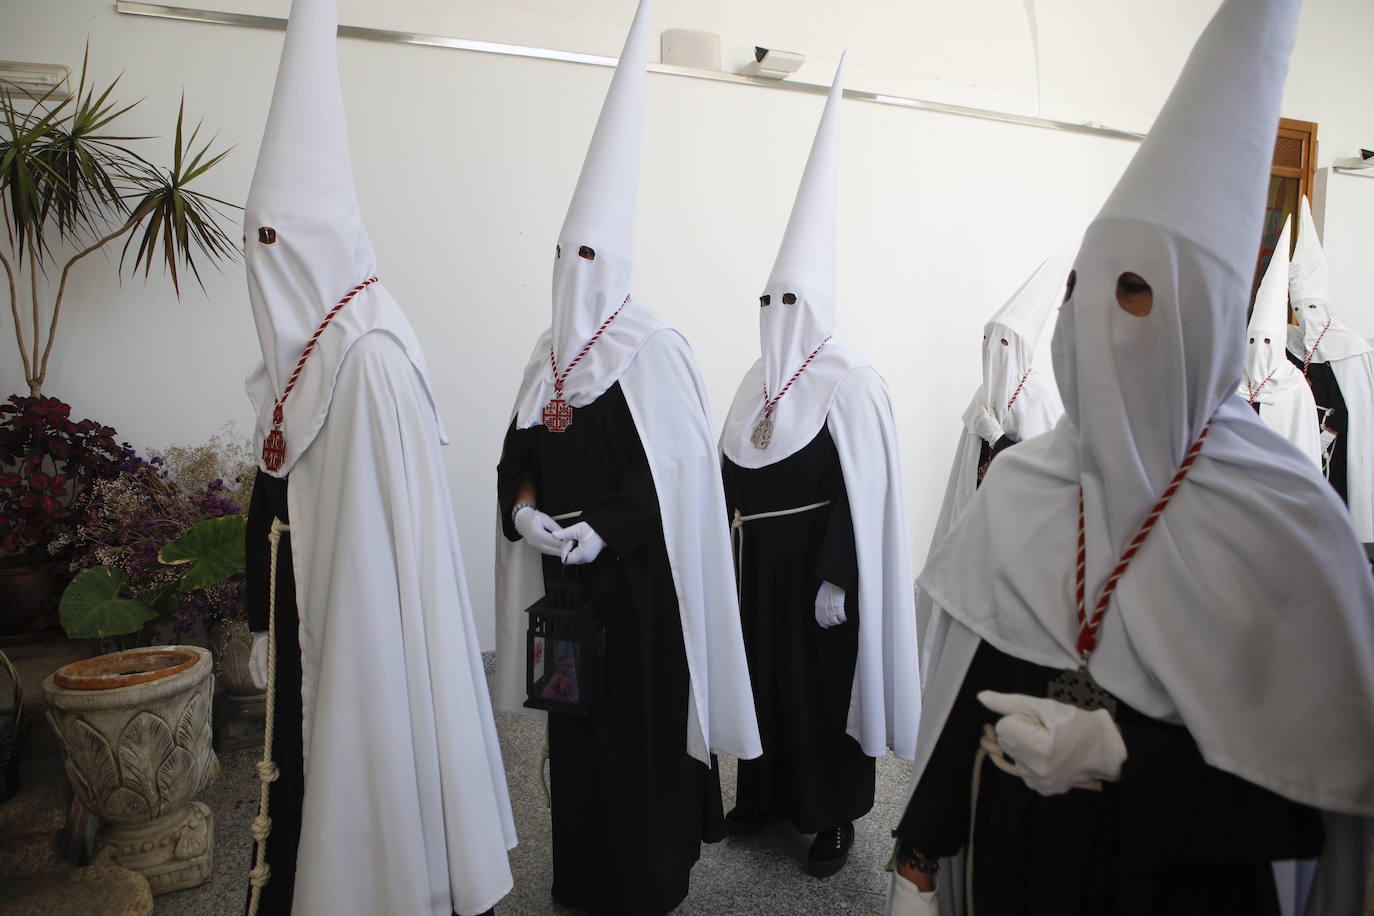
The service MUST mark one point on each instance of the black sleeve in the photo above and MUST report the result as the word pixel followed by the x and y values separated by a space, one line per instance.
pixel 1173 803
pixel 935 823
pixel 628 518
pixel 838 562
pixel 515 466
pixel 268 502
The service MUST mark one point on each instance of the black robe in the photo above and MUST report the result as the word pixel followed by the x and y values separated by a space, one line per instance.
pixel 986 453
pixel 1331 415
pixel 811 771
pixel 288 792
pixel 630 806
pixel 1173 836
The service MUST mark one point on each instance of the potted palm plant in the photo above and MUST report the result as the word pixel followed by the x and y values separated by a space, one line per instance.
pixel 72 185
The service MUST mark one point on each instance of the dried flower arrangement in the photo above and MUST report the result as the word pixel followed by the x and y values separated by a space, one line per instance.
pixel 164 539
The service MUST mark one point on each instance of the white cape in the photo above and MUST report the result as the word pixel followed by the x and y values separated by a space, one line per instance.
pixel 1035 411
pixel 885 701
pixel 1355 376
pixel 1292 413
pixel 405 807
pixel 668 402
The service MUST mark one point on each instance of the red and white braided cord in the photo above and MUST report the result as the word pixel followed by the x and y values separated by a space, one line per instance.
pixel 1019 386
pixel 1087 628
pixel 769 405
pixel 1307 357
pixel 1254 392
pixel 309 347
pixel 558 380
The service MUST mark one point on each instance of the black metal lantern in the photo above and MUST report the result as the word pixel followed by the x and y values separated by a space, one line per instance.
pixel 565 648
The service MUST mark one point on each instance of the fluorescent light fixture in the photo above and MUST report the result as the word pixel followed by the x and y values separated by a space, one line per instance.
pixel 36 80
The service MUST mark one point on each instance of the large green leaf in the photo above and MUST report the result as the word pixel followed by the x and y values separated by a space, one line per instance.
pixel 214 547
pixel 91 606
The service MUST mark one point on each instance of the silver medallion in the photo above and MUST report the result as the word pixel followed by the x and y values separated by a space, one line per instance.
pixel 1079 688
pixel 763 433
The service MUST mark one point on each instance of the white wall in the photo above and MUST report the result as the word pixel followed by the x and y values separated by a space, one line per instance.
pixel 465 163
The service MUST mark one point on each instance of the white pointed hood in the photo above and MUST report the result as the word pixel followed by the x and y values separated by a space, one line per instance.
pixel 1267 370
pixel 1020 322
pixel 1319 333
pixel 805 266
pixel 601 216
pixel 790 331
pixel 1201 620
pixel 304 242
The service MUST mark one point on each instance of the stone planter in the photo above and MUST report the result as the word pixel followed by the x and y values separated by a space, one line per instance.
pixel 231 642
pixel 135 728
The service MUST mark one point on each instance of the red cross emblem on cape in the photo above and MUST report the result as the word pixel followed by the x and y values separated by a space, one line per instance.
pixel 557 415
pixel 273 450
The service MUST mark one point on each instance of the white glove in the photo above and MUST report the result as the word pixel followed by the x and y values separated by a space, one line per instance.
pixel 1056 746
pixel 906 899
pixel 580 544
pixel 257 660
pixel 829 605
pixel 539 531
pixel 987 427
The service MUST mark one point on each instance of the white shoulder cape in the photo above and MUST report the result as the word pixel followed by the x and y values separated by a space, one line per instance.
pixel 405 809
pixel 1355 376
pixel 1036 409
pixel 885 703
pixel 307 406
pixel 668 402
pixel 1292 413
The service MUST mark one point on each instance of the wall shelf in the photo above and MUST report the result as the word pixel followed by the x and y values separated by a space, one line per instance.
pixel 244 20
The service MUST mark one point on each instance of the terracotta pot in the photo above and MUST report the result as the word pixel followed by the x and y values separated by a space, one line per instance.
pixel 137 736
pixel 23 591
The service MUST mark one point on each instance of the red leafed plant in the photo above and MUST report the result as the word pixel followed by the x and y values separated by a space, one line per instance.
pixel 47 461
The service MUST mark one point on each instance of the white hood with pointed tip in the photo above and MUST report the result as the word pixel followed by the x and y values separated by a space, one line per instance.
pixel 303 191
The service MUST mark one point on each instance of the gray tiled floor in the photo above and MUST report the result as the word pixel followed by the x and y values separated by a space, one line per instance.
pixel 759 875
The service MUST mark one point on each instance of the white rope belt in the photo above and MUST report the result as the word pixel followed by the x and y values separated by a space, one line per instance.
pixel 989 750
pixel 267 769
pixel 577 513
pixel 737 535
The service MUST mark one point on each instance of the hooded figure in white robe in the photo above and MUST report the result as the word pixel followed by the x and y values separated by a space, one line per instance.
pixel 813 480
pixel 392 795
pixel 1272 384
pixel 1339 366
pixel 1159 759
pixel 609 471
pixel 1015 402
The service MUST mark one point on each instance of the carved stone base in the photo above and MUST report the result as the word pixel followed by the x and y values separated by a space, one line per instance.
pixel 173 852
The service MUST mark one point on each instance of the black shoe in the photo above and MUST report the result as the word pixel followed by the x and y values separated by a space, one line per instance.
pixel 830 850
pixel 739 822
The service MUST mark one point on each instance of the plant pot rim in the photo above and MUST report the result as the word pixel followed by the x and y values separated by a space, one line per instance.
pixel 128 669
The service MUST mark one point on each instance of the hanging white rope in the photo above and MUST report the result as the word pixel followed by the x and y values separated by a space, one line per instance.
pixel 267 769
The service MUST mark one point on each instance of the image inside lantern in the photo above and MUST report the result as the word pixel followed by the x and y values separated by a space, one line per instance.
pixel 566 649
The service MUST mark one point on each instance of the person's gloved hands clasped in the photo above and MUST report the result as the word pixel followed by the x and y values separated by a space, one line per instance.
pixel 829 605
pixel 539 531
pixel 580 544
pixel 1056 746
